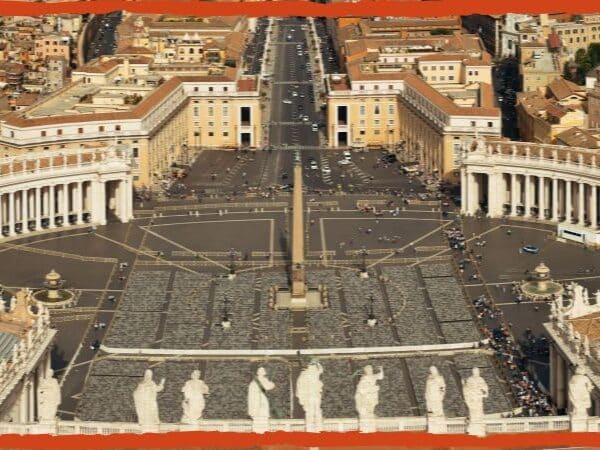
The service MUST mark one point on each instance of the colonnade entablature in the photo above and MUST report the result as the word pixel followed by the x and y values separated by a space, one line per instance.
pixel 44 190
pixel 538 181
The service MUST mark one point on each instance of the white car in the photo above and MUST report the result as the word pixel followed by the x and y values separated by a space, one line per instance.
pixel 314 127
pixel 347 155
pixel 313 165
pixel 287 101
pixel 294 94
pixel 326 170
pixel 305 118
pixel 344 162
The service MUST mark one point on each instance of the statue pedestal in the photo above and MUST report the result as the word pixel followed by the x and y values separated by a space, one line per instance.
pixel 260 426
pixel 476 428
pixel 579 424
pixel 367 425
pixel 436 425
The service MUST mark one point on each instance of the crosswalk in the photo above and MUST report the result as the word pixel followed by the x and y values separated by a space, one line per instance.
pixel 325 165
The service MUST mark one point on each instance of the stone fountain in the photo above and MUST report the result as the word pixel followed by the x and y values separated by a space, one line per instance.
pixel 540 285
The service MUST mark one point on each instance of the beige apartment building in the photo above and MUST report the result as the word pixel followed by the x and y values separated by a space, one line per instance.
pixel 580 34
pixel 401 110
pixel 53 45
pixel 122 101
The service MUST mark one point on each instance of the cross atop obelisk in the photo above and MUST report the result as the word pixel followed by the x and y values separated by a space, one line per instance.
pixel 298 285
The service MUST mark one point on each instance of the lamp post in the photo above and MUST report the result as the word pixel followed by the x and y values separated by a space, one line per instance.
pixel 232 255
pixel 371 319
pixel 363 263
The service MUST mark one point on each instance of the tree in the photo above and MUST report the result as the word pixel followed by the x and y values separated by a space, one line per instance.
pixel 567 72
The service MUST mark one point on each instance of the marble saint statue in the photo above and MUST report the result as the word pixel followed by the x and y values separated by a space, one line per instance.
pixel 49 397
pixel 475 390
pixel 193 403
pixel 435 391
pixel 309 390
pixel 366 398
pixel 144 398
pixel 580 400
pixel 258 402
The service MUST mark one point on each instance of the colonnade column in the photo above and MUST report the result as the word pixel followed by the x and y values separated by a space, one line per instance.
pixel 78 202
pixel 11 213
pixel 527 196
pixel 51 207
pixel 568 202
pixel 25 211
pixel 494 194
pixel 463 191
pixel 581 208
pixel 541 198
pixel 123 194
pixel 594 207
pixel 65 209
pixel 98 202
pixel 38 208
pixel 555 199
pixel 513 194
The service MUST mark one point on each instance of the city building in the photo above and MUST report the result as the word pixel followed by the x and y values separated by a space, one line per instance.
pixel 541 117
pixel 126 101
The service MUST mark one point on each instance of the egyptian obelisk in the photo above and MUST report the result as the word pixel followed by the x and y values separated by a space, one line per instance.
pixel 298 285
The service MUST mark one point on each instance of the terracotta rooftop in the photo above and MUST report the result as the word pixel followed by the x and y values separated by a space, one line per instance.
pixel 140 110
pixel 578 137
pixel 561 88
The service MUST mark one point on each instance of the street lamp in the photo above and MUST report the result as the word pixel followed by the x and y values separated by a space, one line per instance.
pixel 232 255
pixel 371 319
pixel 226 321
pixel 363 264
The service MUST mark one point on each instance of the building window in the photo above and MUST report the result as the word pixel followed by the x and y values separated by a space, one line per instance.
pixel 490 124
pixel 196 89
pixel 225 89
pixel 117 127
pixel 376 109
pixel 391 109
pixel 101 128
pixel 363 110
pixel 450 77
pixel 210 89
pixel 225 133
pixel 473 123
pixel 376 87
pixel 196 110
pixel 136 177
pixel 225 110
pixel 135 152
pixel 211 111
pixel 80 130
pixel 211 134
pixel 442 67
pixel 390 87
pixel 196 133
pixel 211 124
pixel 376 122
pixel 450 67
pixel 59 132
pixel 425 68
pixel 391 122
pixel 442 78
pixel 361 132
pixel 377 132
pixel 43 133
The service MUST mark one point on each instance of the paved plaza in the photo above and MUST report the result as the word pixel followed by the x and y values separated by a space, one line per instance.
pixel 172 293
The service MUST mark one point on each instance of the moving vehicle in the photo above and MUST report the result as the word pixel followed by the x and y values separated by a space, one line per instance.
pixel 313 165
pixel 326 170
pixel 314 127
pixel 287 101
pixel 530 249
pixel 347 155
pixel 344 162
